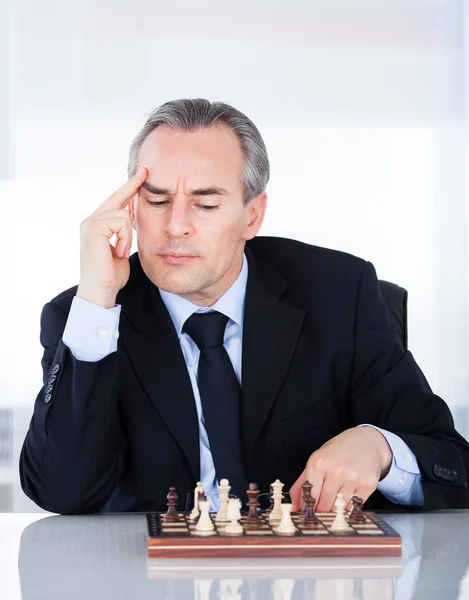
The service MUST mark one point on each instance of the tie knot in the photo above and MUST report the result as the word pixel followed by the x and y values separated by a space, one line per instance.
pixel 206 329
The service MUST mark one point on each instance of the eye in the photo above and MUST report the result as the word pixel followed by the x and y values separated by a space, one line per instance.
pixel 157 202
pixel 208 207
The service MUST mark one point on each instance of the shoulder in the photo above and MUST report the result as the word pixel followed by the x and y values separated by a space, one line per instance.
pixel 294 259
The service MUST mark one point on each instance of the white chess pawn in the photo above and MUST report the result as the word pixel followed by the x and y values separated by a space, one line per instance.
pixel 339 523
pixel 195 511
pixel 223 489
pixel 286 524
pixel 234 515
pixel 276 513
pixel 204 524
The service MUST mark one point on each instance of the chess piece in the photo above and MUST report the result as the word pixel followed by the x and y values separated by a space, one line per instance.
pixel 234 528
pixel 339 523
pixel 234 514
pixel 172 515
pixel 224 489
pixel 276 513
pixel 286 526
pixel 356 514
pixel 306 489
pixel 310 519
pixel 195 511
pixel 253 520
pixel 271 507
pixel 204 524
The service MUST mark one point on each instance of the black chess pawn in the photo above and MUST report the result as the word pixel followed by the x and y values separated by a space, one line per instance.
pixel 253 520
pixel 172 515
pixel 310 519
pixel 356 514
pixel 306 488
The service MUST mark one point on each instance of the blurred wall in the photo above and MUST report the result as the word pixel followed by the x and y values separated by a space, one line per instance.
pixel 363 107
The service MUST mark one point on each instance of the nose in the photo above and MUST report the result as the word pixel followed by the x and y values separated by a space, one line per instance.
pixel 178 222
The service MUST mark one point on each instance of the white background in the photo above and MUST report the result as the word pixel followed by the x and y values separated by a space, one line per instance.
pixel 363 107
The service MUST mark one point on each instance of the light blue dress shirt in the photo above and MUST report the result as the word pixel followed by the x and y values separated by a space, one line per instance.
pixel 91 333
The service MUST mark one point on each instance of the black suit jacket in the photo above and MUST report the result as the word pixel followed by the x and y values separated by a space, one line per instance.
pixel 319 356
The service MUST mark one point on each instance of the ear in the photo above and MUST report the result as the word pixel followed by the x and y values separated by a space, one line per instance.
pixel 255 211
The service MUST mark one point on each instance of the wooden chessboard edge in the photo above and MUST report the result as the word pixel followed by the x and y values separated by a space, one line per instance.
pixel 274 541
pixel 267 551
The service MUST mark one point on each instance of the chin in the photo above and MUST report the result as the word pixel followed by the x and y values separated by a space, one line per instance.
pixel 176 283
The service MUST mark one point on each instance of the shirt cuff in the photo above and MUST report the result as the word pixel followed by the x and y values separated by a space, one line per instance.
pixel 402 484
pixel 91 331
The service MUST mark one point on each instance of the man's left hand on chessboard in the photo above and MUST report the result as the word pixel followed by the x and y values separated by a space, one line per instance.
pixel 351 463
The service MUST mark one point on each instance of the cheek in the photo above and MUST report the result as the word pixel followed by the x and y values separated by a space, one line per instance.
pixel 227 227
pixel 223 237
pixel 146 224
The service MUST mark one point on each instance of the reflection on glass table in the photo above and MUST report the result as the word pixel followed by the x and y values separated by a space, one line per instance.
pixel 105 557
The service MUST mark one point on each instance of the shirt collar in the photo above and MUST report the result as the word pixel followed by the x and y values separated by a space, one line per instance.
pixel 230 304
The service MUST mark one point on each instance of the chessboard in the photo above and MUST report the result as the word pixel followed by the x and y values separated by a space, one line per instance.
pixel 371 537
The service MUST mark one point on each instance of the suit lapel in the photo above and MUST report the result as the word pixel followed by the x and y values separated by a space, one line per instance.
pixel 152 346
pixel 270 335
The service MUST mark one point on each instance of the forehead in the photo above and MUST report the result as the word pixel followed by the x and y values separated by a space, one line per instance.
pixel 212 156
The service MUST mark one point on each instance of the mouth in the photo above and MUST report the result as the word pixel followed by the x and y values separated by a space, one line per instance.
pixel 177 259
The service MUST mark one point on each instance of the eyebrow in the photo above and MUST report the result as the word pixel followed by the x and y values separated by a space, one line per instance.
pixel 205 191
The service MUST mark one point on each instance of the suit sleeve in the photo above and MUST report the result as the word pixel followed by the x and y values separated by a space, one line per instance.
pixel 71 458
pixel 389 390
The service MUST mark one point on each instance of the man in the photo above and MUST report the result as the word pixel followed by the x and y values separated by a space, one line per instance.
pixel 211 354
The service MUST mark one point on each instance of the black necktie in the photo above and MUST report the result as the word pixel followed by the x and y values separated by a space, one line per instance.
pixel 220 394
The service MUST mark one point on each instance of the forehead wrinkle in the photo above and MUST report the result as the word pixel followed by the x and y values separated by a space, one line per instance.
pixel 209 190
pixel 162 189
pixel 182 164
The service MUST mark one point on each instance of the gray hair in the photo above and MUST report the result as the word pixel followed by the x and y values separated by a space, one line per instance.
pixel 192 114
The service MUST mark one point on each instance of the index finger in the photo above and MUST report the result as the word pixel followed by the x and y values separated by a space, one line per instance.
pixel 121 197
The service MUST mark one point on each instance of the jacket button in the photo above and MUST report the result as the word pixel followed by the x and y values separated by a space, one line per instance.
pixel 47 398
pixel 49 388
pixel 437 470
pixel 55 369
pixel 453 476
pixel 52 378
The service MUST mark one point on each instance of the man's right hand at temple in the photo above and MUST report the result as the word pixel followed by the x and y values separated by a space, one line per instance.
pixel 104 268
